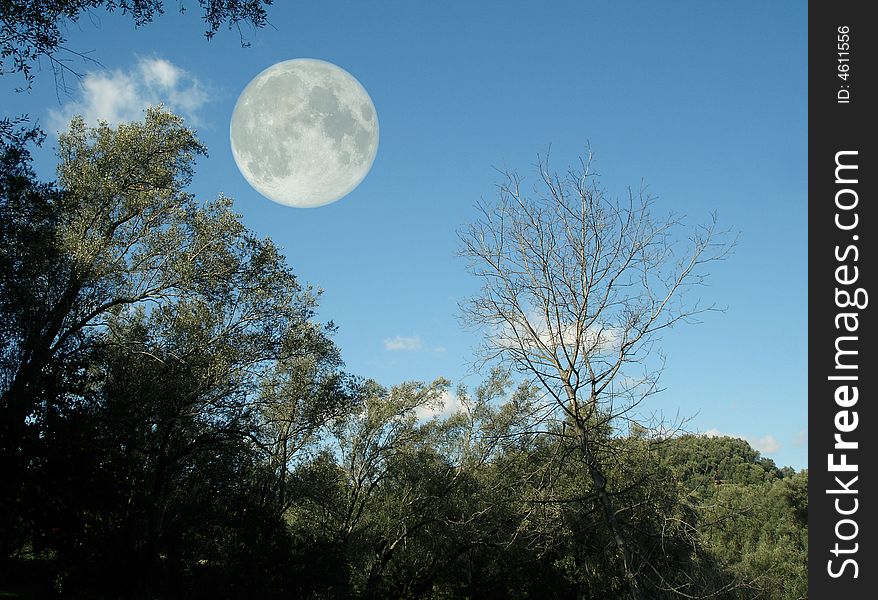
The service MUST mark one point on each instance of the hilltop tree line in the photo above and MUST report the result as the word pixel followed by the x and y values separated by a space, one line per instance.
pixel 177 423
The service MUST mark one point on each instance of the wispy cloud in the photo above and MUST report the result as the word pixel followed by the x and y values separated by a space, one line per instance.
pixel 534 331
pixel 117 96
pixel 402 343
pixel 767 444
pixel 801 438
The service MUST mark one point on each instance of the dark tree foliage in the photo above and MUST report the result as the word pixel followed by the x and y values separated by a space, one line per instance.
pixel 140 327
pixel 29 262
pixel 34 29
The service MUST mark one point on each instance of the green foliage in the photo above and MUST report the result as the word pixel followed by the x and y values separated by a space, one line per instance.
pixel 702 462
pixel 752 516
pixel 152 455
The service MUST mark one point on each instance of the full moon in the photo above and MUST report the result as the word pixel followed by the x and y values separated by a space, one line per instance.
pixel 304 133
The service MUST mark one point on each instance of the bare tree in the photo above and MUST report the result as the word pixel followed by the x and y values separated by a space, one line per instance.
pixel 576 289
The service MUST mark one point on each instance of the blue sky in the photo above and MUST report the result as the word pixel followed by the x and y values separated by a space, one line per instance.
pixel 704 102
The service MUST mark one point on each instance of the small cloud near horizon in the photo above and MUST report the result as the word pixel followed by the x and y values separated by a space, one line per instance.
pixel 122 95
pixel 801 438
pixel 767 444
pixel 403 343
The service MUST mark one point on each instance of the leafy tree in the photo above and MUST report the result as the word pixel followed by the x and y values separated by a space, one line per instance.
pixel 178 418
pixel 122 232
pixel 397 488
pixel 151 347
pixel 398 498
pixel 299 398
pixel 119 207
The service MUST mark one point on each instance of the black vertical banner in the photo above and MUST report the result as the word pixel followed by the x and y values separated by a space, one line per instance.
pixel 842 301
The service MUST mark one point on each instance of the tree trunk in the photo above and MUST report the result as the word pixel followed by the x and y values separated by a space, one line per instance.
pixel 21 397
pixel 600 485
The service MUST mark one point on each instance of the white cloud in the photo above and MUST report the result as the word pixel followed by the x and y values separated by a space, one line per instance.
pixel 450 405
pixel 159 72
pixel 801 438
pixel 533 330
pixel 407 344
pixel 767 444
pixel 117 96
